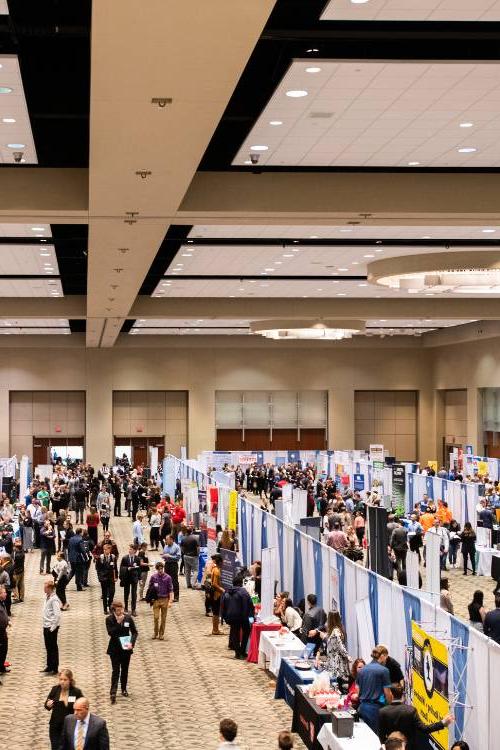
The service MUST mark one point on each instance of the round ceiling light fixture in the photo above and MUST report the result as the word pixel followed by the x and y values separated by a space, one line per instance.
pixel 464 272
pixel 296 93
pixel 319 330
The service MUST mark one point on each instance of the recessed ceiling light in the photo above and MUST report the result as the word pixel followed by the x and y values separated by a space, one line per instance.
pixel 190 242
pixel 319 290
pixel 304 296
pixel 488 231
pixel 247 161
pixel 251 281
pixel 8 119
pixel 313 70
pixel 355 263
pixel 466 124
pixel 5 90
pixel 295 249
pixel 38 229
pixel 231 296
pixel 313 236
pixel 426 237
pixel 45 255
pixel 259 148
pixel 346 229
pixel 295 242
pixel 362 284
pixel 296 93
pixel 270 269
pixel 343 269
pixel 467 150
pixel 288 255
pixel 313 49
pixel 278 262
pixel 379 250
pixel 413 163
pixel 187 255
pixel 368 256
pixel 275 123
pixel 16 145
pixel 341 294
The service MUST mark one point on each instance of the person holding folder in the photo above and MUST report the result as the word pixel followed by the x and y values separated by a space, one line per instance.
pixel 123 634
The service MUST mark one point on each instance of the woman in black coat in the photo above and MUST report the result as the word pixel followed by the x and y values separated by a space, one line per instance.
pixel 120 625
pixel 60 701
pixel 468 539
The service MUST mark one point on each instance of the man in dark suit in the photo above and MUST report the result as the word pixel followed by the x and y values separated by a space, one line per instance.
pixel 130 571
pixel 83 730
pixel 77 556
pixel 399 717
pixel 107 574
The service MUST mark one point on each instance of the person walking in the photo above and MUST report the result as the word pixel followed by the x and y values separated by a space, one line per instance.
pixel 60 702
pixel 47 546
pixel 4 624
pixel 154 534
pixel 216 592
pixel 61 572
pixel 77 557
pixel 138 530
pixel 468 539
pixel 51 621
pixel 161 595
pixel 18 559
pixel 80 499
pixel 191 549
pixel 93 519
pixel 238 611
pixel 123 634
pixel 107 573
pixel 84 730
pixel 105 513
pixel 144 569
pixel 130 570
pixel 171 556
pixel 399 545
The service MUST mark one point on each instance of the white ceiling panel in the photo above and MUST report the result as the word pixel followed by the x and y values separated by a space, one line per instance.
pixel 4 8
pixel 25 230
pixel 34 326
pixel 381 114
pixel 15 125
pixel 412 10
pixel 31 288
pixel 293 260
pixel 28 260
pixel 338 231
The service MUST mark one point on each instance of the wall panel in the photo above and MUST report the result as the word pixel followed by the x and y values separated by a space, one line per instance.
pixel 393 421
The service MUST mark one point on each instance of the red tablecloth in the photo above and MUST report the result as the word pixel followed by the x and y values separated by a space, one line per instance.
pixel 257 629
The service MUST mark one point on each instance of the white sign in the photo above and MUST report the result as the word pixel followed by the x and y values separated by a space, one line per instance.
pixel 412 570
pixel 269 560
pixel 246 460
pixel 433 562
pixel 376 453
pixel 299 505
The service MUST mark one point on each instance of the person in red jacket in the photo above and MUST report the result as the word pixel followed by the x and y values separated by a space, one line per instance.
pixel 178 516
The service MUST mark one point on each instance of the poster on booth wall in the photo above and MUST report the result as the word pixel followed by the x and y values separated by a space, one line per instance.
pixel 359 482
pixel 433 465
pixel 232 513
pixel 482 467
pixel 430 682
pixel 211 537
pixel 377 453
pixel 229 567
pixel 398 487
pixel 214 501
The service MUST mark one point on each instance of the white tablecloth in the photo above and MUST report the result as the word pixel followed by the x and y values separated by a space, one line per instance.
pixel 273 647
pixel 363 739
pixel 484 556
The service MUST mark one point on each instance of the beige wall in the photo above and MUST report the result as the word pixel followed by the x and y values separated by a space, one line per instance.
pixel 44 414
pixel 388 418
pixel 202 371
pixel 152 414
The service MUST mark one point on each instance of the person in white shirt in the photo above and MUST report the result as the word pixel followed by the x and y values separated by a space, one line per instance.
pixel 291 618
pixel 228 730
pixel 137 530
pixel 442 532
pixel 51 620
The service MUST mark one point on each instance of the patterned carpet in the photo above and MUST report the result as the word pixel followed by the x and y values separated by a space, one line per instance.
pixel 179 688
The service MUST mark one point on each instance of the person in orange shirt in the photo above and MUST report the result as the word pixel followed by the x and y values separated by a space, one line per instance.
pixel 427 519
pixel 444 513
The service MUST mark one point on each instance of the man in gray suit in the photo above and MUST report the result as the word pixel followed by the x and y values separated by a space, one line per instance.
pixel 83 730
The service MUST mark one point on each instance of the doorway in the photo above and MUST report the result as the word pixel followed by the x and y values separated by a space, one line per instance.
pixel 47 450
pixel 137 449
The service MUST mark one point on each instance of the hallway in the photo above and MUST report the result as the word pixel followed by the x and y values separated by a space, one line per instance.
pixel 179 689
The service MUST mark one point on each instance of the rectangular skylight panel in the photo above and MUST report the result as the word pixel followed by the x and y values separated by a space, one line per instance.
pixel 16 136
pixel 412 10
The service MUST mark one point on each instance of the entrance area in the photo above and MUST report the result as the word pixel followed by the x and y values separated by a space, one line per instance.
pixel 137 449
pixel 49 449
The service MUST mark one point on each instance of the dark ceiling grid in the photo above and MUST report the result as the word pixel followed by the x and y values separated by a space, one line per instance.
pixel 71 243
pixel 52 41
pixel 295 31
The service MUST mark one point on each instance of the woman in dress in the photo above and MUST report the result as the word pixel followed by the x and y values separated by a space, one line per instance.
pixel 60 701
pixel 93 519
pixel 337 658
pixel 26 528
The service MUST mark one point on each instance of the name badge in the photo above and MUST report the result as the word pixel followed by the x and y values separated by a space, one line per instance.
pixel 127 624
pixel 71 698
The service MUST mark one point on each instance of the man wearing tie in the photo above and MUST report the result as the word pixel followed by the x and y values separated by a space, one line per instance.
pixel 83 730
pixel 130 571
pixel 107 574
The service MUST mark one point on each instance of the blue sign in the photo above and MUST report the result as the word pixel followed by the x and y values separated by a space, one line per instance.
pixel 359 482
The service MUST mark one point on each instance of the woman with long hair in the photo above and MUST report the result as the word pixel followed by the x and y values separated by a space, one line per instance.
pixel 353 692
pixel 477 611
pixel 60 701
pixel 468 539
pixel 337 658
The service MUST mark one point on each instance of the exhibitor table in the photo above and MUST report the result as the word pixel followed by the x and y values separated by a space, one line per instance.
pixel 363 739
pixel 257 629
pixel 308 719
pixel 273 647
pixel 288 679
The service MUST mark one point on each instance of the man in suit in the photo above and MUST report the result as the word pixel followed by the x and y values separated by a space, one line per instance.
pixel 130 571
pixel 77 556
pixel 399 717
pixel 107 573
pixel 83 730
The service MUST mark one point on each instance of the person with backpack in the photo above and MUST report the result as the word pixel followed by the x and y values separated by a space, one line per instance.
pixel 238 611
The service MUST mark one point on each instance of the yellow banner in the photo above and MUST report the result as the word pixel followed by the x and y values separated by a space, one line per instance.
pixel 233 504
pixel 430 682
pixel 433 465
pixel 482 467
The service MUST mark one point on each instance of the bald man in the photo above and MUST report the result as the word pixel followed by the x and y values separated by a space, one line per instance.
pixel 84 730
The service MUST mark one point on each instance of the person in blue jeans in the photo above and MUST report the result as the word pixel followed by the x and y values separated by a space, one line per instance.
pixel 374 684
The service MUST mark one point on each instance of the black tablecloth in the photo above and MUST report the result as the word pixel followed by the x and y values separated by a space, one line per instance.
pixel 308 719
